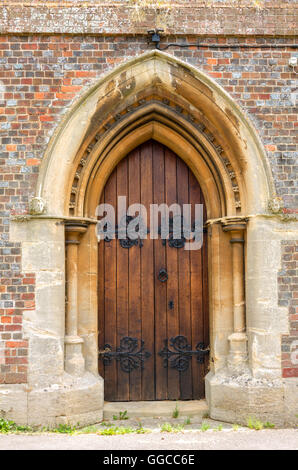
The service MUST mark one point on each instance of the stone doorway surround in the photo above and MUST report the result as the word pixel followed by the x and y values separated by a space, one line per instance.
pixel 154 96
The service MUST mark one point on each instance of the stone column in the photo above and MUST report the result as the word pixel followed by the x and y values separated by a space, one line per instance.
pixel 237 359
pixel 74 360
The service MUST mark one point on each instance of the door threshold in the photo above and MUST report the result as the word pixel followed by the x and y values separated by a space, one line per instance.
pixel 156 409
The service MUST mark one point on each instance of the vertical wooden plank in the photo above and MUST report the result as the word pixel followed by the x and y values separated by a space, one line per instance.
pixel 184 282
pixel 110 302
pixel 134 270
pixel 101 301
pixel 205 294
pixel 147 276
pixel 172 268
pixel 122 286
pixel 161 376
pixel 196 294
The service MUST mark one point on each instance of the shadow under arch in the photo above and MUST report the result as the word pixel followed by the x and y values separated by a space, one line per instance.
pixel 217 190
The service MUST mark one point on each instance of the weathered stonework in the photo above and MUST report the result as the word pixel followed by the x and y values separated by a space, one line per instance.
pixel 207 17
pixel 37 206
pixel 77 78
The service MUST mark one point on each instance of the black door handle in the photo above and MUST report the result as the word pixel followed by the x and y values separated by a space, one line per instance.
pixel 163 275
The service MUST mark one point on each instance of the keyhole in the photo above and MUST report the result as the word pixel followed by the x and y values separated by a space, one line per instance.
pixel 171 304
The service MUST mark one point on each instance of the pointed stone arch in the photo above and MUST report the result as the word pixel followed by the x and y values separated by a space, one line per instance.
pixel 159 89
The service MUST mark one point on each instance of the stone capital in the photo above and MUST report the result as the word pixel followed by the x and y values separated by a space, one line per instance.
pixel 73 232
pixel 234 224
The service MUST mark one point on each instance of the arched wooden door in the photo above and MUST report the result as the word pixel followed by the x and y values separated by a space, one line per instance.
pixel 142 313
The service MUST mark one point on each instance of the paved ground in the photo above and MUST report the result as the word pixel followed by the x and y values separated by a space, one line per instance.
pixel 222 438
pixel 225 440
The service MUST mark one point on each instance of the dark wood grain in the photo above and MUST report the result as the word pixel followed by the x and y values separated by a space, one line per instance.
pixel 110 297
pixel 122 285
pixel 161 376
pixel 147 276
pixel 101 302
pixel 134 274
pixel 133 302
pixel 184 286
pixel 172 268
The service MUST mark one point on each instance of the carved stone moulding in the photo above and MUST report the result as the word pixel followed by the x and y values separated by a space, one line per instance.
pixel 108 124
pixel 275 205
pixel 37 206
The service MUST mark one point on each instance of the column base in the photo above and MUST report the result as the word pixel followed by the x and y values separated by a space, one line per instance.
pixel 77 401
pixel 237 359
pixel 74 360
pixel 238 398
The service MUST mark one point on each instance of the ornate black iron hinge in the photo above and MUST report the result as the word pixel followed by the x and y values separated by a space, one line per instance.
pixel 176 237
pixel 120 232
pixel 129 354
pixel 172 239
pixel 180 356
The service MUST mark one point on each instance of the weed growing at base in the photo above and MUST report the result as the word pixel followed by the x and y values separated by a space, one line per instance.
pixel 10 426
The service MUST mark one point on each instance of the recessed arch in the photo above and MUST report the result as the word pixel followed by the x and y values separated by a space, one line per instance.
pixel 211 186
pixel 122 96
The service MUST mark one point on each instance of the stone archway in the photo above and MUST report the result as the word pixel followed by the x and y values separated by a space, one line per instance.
pixel 156 81
pixel 154 96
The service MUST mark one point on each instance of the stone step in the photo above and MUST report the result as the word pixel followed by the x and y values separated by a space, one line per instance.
pixel 156 409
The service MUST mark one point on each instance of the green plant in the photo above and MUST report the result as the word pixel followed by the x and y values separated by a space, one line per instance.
pixel 10 426
pixel 204 427
pixel 219 428
pixel 187 420
pixel 104 423
pixel 167 427
pixel 122 415
pixel 254 423
pixel 140 426
pixel 269 425
pixel 142 430
pixel 64 429
pixel 115 431
pixel 235 427
pixel 89 430
pixel 176 411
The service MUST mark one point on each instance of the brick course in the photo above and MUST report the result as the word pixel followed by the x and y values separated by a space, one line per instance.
pixel 42 76
pixel 288 297
pixel 16 296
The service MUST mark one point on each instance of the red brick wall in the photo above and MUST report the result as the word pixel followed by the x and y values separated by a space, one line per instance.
pixel 288 297
pixel 17 295
pixel 41 76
